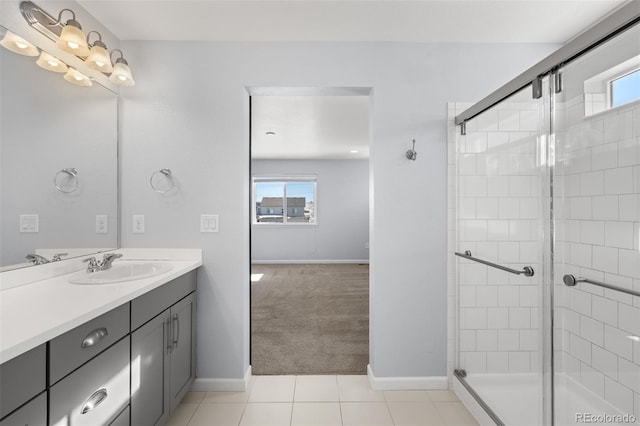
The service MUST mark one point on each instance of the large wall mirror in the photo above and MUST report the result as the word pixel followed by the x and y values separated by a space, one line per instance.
pixel 59 164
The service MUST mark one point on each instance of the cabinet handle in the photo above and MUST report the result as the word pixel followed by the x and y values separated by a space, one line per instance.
pixel 94 400
pixel 94 337
pixel 176 336
pixel 168 325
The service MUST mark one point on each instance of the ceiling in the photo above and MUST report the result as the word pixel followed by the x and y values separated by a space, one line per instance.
pixel 423 21
pixel 310 127
pixel 329 127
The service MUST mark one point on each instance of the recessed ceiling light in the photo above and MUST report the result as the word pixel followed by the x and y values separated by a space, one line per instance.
pixel 270 133
pixel 354 151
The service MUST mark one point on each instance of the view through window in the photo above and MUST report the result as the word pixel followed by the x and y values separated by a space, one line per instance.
pixel 285 201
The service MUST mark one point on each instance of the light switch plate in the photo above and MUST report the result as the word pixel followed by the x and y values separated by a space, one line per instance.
pixel 209 223
pixel 102 224
pixel 29 223
pixel 138 224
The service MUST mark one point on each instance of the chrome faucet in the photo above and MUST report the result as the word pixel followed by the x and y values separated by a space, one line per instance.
pixel 94 266
pixel 36 259
pixel 58 257
pixel 108 259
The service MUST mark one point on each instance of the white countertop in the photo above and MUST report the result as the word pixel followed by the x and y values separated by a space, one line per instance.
pixel 33 313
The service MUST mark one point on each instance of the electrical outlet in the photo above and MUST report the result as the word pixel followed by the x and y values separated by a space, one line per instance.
pixel 102 224
pixel 29 223
pixel 209 223
pixel 138 224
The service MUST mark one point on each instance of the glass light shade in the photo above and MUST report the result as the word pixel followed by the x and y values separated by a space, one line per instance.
pixel 51 63
pixel 18 45
pixel 98 59
pixel 72 39
pixel 121 74
pixel 74 76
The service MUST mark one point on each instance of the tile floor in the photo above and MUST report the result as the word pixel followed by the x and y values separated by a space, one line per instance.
pixel 320 400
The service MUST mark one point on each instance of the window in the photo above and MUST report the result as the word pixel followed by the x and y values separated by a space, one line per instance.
pixel 284 200
pixel 625 89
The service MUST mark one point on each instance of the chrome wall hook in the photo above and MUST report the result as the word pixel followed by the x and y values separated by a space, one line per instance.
pixel 412 154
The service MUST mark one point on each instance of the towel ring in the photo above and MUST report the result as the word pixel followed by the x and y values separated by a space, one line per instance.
pixel 161 181
pixel 70 175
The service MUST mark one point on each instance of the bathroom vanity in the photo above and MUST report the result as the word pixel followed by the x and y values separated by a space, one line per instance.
pixel 98 354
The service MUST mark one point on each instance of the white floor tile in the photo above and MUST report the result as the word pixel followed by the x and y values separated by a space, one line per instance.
pixel 183 414
pixel 194 397
pixel 226 397
pixel 455 413
pixel 316 389
pixel 357 389
pixel 415 413
pixel 442 396
pixel 267 414
pixel 316 414
pixel 273 389
pixel 406 396
pixel 365 414
pixel 217 415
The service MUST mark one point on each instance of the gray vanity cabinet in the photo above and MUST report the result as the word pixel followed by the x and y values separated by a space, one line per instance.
pixel 162 350
pixel 21 379
pixel 183 365
pixel 150 364
pixel 32 414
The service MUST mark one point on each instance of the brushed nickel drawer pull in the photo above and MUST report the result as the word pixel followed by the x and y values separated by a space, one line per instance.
pixel 169 332
pixel 94 337
pixel 94 400
pixel 176 336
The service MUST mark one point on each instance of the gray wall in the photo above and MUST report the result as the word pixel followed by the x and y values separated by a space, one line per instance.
pixel 190 112
pixel 342 229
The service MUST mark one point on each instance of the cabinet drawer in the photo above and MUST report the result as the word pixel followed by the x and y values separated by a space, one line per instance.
pixel 23 378
pixel 95 393
pixel 151 304
pixel 123 418
pixel 77 346
pixel 32 414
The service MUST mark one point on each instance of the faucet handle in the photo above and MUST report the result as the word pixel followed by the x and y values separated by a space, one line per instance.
pixel 58 256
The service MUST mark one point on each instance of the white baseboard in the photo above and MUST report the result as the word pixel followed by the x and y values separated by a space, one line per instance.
pixel 315 261
pixel 472 405
pixel 223 385
pixel 406 383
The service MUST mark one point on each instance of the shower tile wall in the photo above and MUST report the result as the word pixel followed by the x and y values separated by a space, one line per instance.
pixel 498 213
pixel 597 209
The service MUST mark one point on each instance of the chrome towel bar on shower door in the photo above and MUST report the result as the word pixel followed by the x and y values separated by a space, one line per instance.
pixel 527 270
pixel 570 281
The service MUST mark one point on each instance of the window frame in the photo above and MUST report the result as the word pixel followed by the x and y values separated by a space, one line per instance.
pixel 610 81
pixel 284 179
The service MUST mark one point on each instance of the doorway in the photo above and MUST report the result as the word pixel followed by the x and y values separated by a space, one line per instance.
pixel 310 232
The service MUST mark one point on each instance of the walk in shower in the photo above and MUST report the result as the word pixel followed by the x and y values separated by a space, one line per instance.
pixel 546 184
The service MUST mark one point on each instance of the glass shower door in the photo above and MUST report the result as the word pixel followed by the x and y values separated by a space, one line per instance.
pixel 500 171
pixel 596 207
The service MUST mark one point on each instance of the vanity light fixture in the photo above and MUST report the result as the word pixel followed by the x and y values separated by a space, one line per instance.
pixel 18 45
pixel 51 63
pixel 72 38
pixel 74 76
pixel 98 58
pixel 121 74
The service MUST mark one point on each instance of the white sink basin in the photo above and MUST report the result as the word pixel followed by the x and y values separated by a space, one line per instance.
pixel 121 271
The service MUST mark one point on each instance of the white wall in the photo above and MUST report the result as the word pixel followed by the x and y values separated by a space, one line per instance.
pixel 189 112
pixel 342 204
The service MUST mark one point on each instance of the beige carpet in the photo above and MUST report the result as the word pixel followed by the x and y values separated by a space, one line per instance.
pixel 310 319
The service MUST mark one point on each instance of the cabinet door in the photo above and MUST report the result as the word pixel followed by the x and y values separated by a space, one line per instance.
pixel 150 352
pixel 183 348
pixel 32 414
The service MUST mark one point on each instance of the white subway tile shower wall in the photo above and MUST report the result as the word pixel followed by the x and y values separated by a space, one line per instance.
pixel 597 224
pixel 497 218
